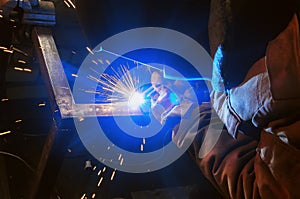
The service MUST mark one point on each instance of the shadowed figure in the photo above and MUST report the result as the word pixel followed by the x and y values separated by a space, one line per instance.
pixel 256 95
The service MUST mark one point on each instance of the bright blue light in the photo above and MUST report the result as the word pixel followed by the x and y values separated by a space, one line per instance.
pixel 135 100
pixel 166 76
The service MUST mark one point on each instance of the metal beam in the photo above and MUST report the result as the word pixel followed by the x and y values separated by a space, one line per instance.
pixel 63 108
pixel 61 100
pixel 56 79
pixel 52 70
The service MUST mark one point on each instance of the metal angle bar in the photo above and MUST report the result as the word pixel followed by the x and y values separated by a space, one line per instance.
pixel 36 186
pixel 57 82
pixel 52 69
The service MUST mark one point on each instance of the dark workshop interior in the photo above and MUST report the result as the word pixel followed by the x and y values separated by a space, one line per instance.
pixel 27 117
pixel 43 45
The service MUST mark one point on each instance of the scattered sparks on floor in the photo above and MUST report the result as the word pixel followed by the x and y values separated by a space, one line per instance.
pixel 5 132
pixel 100 181
pixel 113 175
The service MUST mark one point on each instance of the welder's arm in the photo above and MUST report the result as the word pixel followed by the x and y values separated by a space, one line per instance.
pixel 270 90
pixel 245 167
pixel 239 104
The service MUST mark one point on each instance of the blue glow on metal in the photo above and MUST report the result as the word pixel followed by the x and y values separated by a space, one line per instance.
pixel 166 76
pixel 127 58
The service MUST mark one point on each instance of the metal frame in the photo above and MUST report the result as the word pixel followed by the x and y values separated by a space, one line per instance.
pixel 56 79
pixel 64 109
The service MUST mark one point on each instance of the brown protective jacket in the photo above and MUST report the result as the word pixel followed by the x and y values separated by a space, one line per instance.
pixel 268 167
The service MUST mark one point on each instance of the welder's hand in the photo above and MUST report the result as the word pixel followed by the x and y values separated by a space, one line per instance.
pixel 198 118
pixel 164 104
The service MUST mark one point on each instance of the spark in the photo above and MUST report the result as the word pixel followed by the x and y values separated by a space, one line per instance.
pixel 96 63
pixel 94 195
pixel 8 51
pixel 19 51
pixel 4 99
pixel 99 173
pixel 120 156
pixel 18 121
pixel 100 181
pixel 5 132
pixel 74 75
pixel 100 61
pixel 27 70
pixel 18 68
pixel 1 16
pixel 83 196
pixel 42 104
pixel 90 51
pixel 3 48
pixel 121 162
pixel 23 69
pixel 67 4
pixel 121 86
pixel 142 147
pixel 144 141
pixel 113 175
pixel 92 92
pixel 21 61
pixel 104 169
pixel 94 168
pixel 72 4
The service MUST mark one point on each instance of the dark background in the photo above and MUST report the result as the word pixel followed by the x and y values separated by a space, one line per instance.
pixel 88 25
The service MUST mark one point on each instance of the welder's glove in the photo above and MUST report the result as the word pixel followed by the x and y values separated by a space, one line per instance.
pixel 271 89
pixel 163 105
